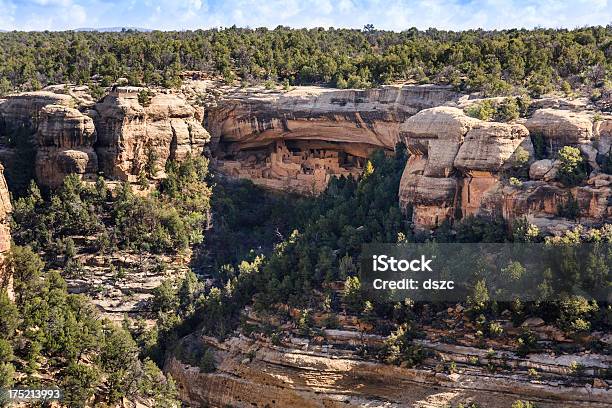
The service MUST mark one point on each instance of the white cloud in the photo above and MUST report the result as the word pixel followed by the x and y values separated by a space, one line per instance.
pixel 60 3
pixel 384 14
pixel 7 18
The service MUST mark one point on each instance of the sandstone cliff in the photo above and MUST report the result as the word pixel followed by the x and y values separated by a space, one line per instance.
pixel 65 140
pixel 23 110
pixel 460 166
pixel 130 135
pixel 116 137
pixel 344 126
pixel 6 277
pixel 369 117
pixel 298 139
pixel 252 372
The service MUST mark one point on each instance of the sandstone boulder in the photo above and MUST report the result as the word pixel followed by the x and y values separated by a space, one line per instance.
pixel 543 170
pixel 561 127
pixel 488 145
pixel 444 123
pixel 432 198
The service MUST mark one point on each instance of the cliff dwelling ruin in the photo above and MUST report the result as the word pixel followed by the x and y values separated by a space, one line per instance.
pixel 304 166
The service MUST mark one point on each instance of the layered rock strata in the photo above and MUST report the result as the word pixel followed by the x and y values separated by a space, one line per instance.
pixel 131 135
pixel 117 137
pixel 6 276
pixel 297 140
pixel 65 140
pixel 459 166
pixel 256 373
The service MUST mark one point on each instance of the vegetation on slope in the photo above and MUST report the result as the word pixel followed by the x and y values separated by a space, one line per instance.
pixel 305 265
pixel 51 338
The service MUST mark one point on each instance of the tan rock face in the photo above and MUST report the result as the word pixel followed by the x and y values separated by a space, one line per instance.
pixel 352 116
pixel 6 276
pixel 23 110
pixel 116 137
pixel 54 164
pixel 316 123
pixel 61 126
pixel 298 374
pixel 454 164
pixel 441 123
pixel 488 146
pixel 561 127
pixel 130 134
pixel 460 165
pixel 65 140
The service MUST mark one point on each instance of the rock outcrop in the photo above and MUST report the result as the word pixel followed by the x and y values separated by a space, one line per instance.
pixel 116 137
pixel 131 135
pixel 314 124
pixel 65 141
pixel 561 127
pixel 6 276
pixel 455 163
pixel 256 373
pixel 297 140
pixel 23 110
pixel 460 166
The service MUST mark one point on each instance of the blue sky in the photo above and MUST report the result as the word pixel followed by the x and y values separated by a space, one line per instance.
pixel 385 14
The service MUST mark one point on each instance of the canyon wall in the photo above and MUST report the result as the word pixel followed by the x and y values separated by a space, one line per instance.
pixel 297 373
pixel 6 276
pixel 130 135
pixel 117 137
pixel 296 140
pixel 461 166
pixel 278 139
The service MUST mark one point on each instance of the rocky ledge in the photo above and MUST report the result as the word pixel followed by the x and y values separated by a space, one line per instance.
pixel 252 372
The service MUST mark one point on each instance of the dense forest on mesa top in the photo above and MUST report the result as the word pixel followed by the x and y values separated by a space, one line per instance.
pixel 495 62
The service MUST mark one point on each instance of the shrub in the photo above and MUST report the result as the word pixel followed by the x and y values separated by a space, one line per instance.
pixel 572 170
pixel 495 329
pixel 399 348
pixel 523 404
pixel 352 295
pixel 482 110
pixel 575 313
pixel 515 182
pixel 144 97
pixel 569 208
pixel 527 343
pixel 508 110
